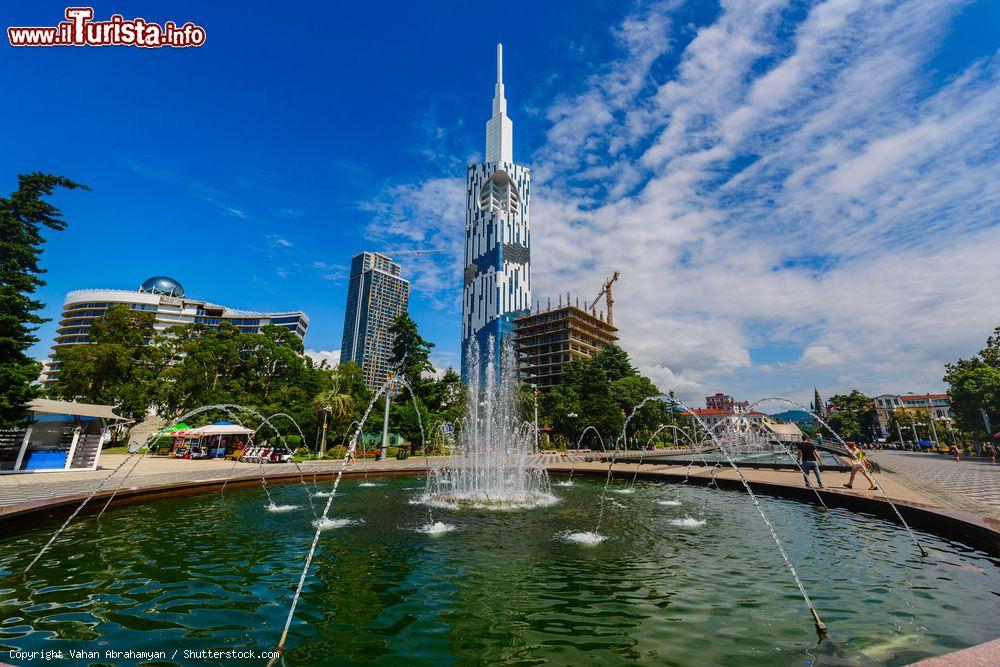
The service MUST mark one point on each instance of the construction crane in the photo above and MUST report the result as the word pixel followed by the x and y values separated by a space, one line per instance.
pixel 606 293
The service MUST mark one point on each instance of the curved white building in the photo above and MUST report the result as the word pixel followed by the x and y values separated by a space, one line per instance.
pixel 165 298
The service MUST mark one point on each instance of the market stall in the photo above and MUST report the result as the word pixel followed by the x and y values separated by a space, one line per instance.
pixel 219 440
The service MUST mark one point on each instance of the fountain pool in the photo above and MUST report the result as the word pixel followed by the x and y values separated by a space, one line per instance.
pixel 217 572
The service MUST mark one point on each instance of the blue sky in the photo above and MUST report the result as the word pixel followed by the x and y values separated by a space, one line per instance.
pixel 796 192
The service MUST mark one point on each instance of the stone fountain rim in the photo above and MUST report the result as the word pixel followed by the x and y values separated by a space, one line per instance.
pixel 980 532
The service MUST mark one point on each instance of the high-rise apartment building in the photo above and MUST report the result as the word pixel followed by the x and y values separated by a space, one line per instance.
pixel 376 296
pixel 165 298
pixel 497 280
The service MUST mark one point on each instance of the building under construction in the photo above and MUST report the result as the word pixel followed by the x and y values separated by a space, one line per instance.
pixel 549 339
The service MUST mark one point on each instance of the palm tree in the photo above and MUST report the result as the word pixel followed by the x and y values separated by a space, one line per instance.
pixel 335 405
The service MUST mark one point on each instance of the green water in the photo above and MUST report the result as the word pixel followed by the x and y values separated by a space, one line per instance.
pixel 218 572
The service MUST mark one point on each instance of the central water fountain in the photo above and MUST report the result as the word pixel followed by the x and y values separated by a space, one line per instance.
pixel 497 465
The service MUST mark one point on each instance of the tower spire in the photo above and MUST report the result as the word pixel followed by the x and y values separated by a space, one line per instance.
pixel 499 129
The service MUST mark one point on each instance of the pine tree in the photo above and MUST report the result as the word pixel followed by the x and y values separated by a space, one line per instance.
pixel 22 216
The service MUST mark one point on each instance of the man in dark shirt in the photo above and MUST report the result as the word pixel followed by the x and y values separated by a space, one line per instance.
pixel 809 460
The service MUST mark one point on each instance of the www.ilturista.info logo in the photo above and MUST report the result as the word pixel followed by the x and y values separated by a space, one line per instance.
pixel 79 29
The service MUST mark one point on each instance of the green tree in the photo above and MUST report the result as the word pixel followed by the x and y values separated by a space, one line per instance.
pixel 120 366
pixel 211 368
pixel 23 215
pixel 974 387
pixel 445 398
pixel 616 363
pixel 852 415
pixel 628 392
pixel 410 350
pixel 337 403
pixel 602 391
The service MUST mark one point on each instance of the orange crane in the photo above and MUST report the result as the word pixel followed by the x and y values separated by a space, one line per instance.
pixel 606 293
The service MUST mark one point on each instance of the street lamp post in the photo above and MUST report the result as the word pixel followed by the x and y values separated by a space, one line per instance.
pixel 954 438
pixel 385 421
pixel 536 420
pixel 573 416
pixel 326 425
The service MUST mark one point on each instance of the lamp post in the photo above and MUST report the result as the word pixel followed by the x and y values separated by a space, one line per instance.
pixel 914 426
pixel 385 420
pixel 573 416
pixel 536 420
pixel 326 425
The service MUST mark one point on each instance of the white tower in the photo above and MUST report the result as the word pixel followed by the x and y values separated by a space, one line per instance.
pixel 499 129
pixel 497 281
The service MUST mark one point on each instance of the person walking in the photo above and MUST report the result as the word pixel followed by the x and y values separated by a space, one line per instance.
pixel 991 451
pixel 953 452
pixel 808 460
pixel 858 465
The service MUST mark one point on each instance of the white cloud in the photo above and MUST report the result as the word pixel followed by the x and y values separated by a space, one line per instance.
pixel 331 357
pixel 820 355
pixel 827 192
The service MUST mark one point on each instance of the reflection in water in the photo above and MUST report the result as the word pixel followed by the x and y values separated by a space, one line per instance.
pixel 218 572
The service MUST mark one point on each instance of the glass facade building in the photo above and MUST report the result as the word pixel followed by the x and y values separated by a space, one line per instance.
pixel 165 298
pixel 376 296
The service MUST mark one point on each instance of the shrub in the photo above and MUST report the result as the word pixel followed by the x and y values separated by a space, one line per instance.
pixel 336 452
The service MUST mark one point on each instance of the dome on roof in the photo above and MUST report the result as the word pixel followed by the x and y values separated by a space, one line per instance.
pixel 162 285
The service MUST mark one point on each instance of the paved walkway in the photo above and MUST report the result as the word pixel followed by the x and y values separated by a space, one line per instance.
pixel 153 471
pixel 833 480
pixel 971 485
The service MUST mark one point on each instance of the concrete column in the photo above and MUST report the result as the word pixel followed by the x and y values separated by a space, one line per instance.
pixel 72 449
pixel 100 446
pixel 24 446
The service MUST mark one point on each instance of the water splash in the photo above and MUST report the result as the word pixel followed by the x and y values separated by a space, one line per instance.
pixel 588 538
pixel 436 528
pixel 688 522
pixel 280 508
pixel 326 523
pixel 100 485
pixel 496 467
pixel 820 626
pixel 846 451
pixel 669 503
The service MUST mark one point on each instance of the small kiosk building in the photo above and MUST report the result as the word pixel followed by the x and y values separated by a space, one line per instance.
pixel 58 435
